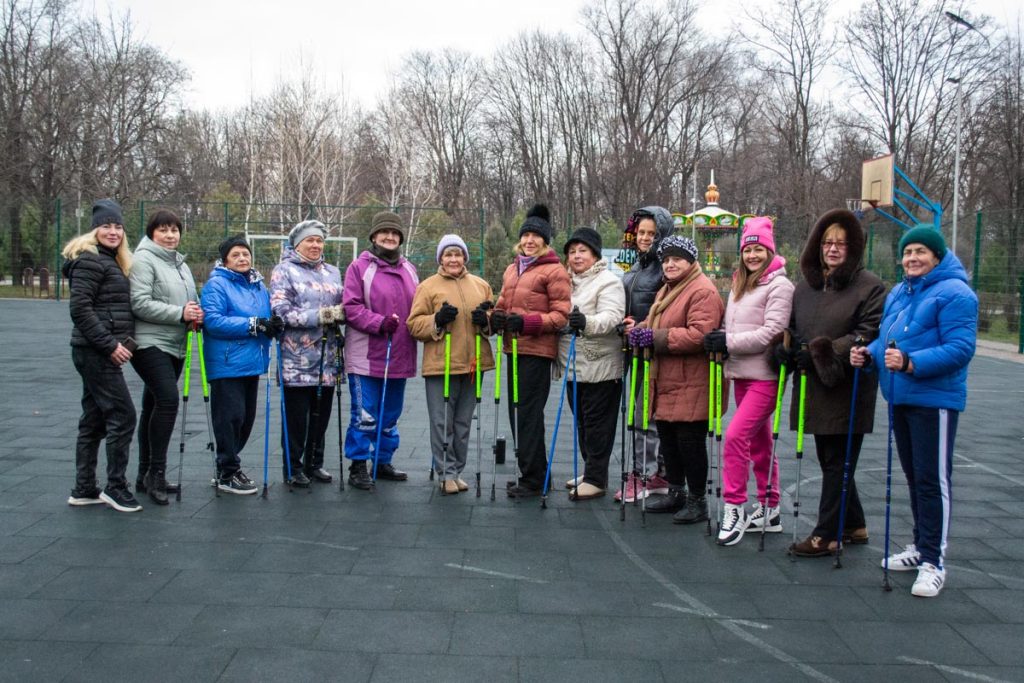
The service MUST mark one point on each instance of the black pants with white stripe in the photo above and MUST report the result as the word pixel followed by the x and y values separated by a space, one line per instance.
pixel 924 438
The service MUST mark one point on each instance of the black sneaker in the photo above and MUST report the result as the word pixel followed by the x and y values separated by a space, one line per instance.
pixel 140 486
pixel 81 497
pixel 522 491
pixel 121 499
pixel 298 479
pixel 238 484
pixel 358 476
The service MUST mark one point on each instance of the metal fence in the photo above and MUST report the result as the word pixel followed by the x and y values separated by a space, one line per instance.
pixel 987 244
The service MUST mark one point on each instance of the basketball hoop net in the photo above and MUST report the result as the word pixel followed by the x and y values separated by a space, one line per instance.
pixel 859 207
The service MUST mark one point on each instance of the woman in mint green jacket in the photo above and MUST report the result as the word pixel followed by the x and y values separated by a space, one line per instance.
pixel 165 304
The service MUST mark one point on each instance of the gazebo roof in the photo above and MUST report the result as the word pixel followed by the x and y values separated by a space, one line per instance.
pixel 712 217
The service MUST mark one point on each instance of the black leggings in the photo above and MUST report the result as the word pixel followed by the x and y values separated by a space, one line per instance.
pixel 159 371
pixel 686 455
pixel 534 387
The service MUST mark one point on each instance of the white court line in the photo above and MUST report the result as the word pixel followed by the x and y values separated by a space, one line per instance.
pixel 700 608
pixel 952 670
pixel 787 493
pixel 687 610
pixel 318 543
pixel 489 572
pixel 990 470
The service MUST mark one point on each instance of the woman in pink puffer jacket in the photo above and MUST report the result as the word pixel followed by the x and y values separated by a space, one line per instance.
pixel 758 311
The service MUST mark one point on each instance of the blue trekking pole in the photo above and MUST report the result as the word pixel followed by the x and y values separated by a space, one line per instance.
pixel 558 419
pixel 266 434
pixel 284 417
pixel 859 341
pixel 380 414
pixel 888 476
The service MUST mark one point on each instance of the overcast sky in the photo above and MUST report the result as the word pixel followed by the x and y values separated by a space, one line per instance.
pixel 234 50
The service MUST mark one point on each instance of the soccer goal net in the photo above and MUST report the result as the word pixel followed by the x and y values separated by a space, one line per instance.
pixel 267 250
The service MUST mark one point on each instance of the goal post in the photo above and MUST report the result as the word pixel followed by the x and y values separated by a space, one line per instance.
pixel 267 250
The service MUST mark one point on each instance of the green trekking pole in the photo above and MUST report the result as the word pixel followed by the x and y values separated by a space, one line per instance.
pixel 499 441
pixel 799 449
pixel 479 415
pixel 206 406
pixel 447 375
pixel 631 419
pixel 646 416
pixel 184 410
pixel 765 520
pixel 711 434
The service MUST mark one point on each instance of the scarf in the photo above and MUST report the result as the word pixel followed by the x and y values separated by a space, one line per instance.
pixel 391 256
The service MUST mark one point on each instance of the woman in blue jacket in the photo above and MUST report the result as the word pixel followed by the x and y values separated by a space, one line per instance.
pixel 926 339
pixel 237 329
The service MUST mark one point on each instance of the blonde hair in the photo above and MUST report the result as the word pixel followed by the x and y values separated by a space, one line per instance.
pixel 88 242
pixel 519 249
pixel 745 280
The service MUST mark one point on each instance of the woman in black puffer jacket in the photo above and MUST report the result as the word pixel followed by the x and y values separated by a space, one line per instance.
pixel 97 271
pixel 649 226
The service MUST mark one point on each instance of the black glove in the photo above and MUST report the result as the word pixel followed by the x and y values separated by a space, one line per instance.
pixel 499 319
pixel 577 321
pixel 620 329
pixel 514 323
pixel 277 324
pixel 268 328
pixel 714 342
pixel 783 356
pixel 479 316
pixel 445 315
pixel 802 356
pixel 389 325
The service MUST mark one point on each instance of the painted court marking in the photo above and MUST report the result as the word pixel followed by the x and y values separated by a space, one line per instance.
pixel 687 610
pixel 952 670
pixel 700 608
pixel 490 572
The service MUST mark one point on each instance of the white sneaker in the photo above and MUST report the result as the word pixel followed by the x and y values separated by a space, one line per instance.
pixel 734 523
pixel 929 581
pixel 573 483
pixel 756 519
pixel 904 561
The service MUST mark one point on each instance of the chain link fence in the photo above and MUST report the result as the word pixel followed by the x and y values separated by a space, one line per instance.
pixel 989 243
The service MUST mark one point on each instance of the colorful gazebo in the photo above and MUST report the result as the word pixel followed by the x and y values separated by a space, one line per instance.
pixel 708 225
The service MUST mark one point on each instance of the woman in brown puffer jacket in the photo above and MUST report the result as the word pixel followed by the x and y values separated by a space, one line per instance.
pixel 533 306
pixel 837 303
pixel 685 309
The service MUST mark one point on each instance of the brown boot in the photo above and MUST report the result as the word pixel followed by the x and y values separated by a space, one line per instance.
pixel 812 546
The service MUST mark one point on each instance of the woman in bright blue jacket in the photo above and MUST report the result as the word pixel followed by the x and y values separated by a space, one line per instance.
pixel 237 331
pixel 926 339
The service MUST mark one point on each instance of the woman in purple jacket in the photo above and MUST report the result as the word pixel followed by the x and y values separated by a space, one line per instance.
pixel 379 288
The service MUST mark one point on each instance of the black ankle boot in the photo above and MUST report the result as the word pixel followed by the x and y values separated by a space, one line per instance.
pixel 156 486
pixel 358 477
pixel 696 511
pixel 672 501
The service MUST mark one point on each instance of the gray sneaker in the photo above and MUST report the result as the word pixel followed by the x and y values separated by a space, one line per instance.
pixel 238 484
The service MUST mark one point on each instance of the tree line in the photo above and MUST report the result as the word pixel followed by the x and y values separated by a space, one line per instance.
pixel 636 109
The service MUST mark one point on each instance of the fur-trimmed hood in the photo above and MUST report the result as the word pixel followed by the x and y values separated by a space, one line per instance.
pixel 810 260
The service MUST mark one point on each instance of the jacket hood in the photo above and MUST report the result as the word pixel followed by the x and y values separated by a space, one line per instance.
pixel 665 226
pixel 949 268
pixel 810 260
pixel 220 270
pixel 172 256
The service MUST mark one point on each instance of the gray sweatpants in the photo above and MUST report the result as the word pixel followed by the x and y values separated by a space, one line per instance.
pixel 461 403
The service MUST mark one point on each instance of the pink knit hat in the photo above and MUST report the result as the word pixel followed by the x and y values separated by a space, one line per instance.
pixel 758 230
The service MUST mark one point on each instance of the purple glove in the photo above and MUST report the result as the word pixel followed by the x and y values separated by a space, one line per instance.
pixel 642 337
pixel 389 325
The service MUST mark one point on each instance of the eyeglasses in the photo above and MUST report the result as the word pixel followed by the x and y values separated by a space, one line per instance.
pixel 828 244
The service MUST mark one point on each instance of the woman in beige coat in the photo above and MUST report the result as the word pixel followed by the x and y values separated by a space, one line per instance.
pixel 453 301
pixel 685 309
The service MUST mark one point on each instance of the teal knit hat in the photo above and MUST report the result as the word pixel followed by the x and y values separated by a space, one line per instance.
pixel 926 235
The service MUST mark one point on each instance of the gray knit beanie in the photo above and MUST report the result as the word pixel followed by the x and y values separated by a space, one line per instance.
pixel 306 229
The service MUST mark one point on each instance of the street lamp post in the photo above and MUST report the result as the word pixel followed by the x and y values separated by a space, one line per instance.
pixel 958 21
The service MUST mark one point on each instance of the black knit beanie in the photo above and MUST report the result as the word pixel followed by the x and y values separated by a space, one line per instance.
pixel 586 236
pixel 230 243
pixel 106 211
pixel 538 220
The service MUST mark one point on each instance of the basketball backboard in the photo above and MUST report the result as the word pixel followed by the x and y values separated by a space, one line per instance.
pixel 877 182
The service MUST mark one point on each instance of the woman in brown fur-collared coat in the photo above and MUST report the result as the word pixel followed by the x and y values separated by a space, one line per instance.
pixel 533 306
pixel 685 309
pixel 837 303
